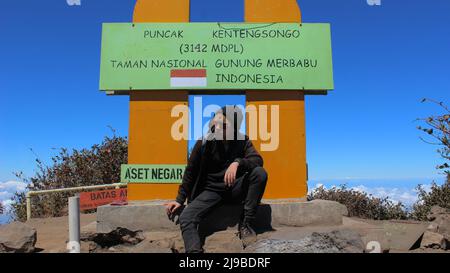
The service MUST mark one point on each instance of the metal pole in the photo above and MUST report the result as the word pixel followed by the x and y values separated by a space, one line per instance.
pixel 28 197
pixel 74 225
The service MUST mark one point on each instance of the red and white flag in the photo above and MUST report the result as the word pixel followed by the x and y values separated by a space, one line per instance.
pixel 188 78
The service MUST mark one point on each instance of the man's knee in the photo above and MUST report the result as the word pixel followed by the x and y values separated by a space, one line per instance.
pixel 259 174
pixel 186 218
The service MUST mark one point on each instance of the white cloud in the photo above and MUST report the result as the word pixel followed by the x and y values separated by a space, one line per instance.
pixel 360 188
pixel 73 2
pixel 318 185
pixel 407 196
pixel 12 186
pixel 7 190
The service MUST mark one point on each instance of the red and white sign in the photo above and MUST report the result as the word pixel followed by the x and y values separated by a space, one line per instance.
pixel 94 199
pixel 188 78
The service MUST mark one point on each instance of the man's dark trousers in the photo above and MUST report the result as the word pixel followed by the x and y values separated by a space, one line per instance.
pixel 250 188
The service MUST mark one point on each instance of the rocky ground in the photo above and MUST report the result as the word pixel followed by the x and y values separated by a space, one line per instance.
pixel 354 235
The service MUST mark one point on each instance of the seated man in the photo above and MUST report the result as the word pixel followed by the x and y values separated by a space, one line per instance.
pixel 223 166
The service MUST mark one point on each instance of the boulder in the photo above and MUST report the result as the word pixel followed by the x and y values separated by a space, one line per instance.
pixel 437 211
pixel 433 227
pixel 316 212
pixel 347 240
pixel 433 240
pixel 440 218
pixel 17 237
pixel 339 241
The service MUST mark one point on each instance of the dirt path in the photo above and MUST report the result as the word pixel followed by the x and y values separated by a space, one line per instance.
pixel 53 233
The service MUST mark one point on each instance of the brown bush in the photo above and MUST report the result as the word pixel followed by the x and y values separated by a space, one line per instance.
pixel 95 166
pixel 360 204
pixel 437 128
pixel 438 196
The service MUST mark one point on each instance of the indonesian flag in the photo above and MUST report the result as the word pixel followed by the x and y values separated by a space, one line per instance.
pixel 188 78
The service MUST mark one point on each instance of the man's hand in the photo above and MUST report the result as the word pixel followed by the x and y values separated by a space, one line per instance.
pixel 230 174
pixel 172 207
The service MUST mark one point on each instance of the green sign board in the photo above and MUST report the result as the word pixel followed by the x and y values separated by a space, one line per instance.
pixel 163 56
pixel 157 174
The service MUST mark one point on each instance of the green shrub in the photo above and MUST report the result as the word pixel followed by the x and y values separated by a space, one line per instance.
pixel 95 166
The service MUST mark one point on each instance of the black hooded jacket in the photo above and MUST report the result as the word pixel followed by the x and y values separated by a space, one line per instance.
pixel 206 153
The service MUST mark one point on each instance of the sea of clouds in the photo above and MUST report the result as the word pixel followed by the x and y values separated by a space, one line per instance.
pixel 402 190
pixel 7 190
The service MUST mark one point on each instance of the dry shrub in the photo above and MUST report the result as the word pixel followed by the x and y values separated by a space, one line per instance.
pixel 95 166
pixel 360 204
pixel 437 129
pixel 437 196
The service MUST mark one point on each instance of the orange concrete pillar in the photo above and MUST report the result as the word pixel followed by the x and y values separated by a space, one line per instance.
pixel 167 11
pixel 150 141
pixel 286 166
pixel 280 11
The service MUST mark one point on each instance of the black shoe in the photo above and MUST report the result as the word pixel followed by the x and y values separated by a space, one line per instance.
pixel 247 234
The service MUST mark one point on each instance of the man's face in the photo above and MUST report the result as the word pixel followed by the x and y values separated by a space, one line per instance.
pixel 222 127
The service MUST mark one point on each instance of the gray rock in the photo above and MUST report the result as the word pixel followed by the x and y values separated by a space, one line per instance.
pixel 17 237
pixel 348 240
pixel 341 241
pixel 310 244
pixel 312 213
pixel 443 225
pixel 433 227
pixel 440 218
pixel 433 240
pixel 436 211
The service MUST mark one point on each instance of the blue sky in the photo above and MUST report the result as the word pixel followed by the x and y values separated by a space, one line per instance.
pixel 386 58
